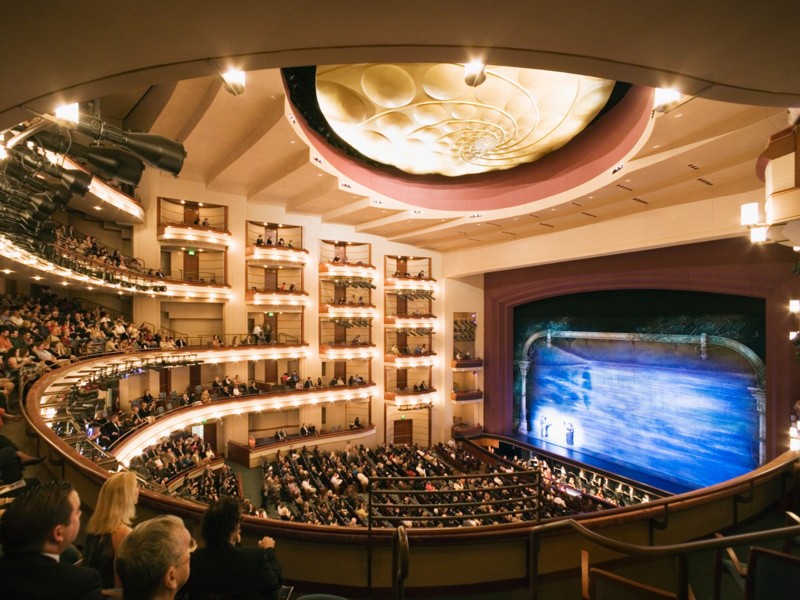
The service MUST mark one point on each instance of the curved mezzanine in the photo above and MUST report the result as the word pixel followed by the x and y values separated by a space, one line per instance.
pixel 440 557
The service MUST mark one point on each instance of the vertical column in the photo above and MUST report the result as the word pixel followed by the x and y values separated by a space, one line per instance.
pixel 523 366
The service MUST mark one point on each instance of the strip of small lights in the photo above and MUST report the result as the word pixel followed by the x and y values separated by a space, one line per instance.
pixel 367 272
pixel 137 441
pixel 404 362
pixel 203 236
pixel 332 352
pixel 278 299
pixel 277 255
pixel 351 311
pixel 410 284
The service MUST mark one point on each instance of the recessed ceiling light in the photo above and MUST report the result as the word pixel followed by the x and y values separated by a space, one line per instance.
pixel 98 208
pixel 7 271
pixel 37 277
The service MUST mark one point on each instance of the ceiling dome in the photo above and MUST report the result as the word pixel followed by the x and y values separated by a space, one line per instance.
pixel 424 119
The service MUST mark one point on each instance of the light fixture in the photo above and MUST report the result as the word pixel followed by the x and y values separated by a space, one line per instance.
pixel 666 99
pixel 794 306
pixel 109 163
pixel 750 214
pixel 474 73
pixel 69 113
pixel 758 234
pixel 233 80
pixel 155 150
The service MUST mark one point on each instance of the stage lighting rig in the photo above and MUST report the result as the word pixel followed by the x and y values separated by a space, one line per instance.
pixel 109 163
pixel 77 182
pixel 155 150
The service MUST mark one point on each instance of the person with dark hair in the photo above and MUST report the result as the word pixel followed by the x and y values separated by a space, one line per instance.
pixel 224 570
pixel 35 529
pixel 153 561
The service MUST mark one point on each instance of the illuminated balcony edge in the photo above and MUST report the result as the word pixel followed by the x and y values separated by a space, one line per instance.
pixel 166 424
pixel 404 362
pixel 366 312
pixel 277 254
pixel 349 352
pixel 347 270
pixel 392 284
pixel 277 299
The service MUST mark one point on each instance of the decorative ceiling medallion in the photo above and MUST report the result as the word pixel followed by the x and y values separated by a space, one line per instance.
pixel 423 118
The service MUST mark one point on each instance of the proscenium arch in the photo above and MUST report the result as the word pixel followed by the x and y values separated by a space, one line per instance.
pixel 138 48
pixel 732 266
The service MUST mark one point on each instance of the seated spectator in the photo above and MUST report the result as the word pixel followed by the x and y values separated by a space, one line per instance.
pixel 222 567
pixel 153 560
pixel 36 528
pixel 260 240
pixel 110 523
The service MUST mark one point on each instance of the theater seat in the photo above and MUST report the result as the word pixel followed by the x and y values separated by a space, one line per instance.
pixel 321 597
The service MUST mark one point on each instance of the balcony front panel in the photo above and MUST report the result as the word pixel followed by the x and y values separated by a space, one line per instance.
pixel 173 237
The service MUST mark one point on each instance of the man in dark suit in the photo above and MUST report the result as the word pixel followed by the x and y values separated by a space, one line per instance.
pixel 224 570
pixel 38 526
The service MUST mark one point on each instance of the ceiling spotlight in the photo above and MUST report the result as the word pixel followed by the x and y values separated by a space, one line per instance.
pixel 474 73
pixel 233 80
pixel 666 99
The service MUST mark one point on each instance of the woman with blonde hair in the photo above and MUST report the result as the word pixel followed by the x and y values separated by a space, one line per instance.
pixel 110 523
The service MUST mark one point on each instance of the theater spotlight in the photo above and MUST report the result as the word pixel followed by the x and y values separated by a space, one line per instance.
pixel 77 182
pixel 474 73
pixel 29 187
pixel 233 80
pixel 109 163
pixel 155 150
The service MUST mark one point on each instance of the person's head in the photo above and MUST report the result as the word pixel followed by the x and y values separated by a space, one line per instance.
pixel 153 560
pixel 44 518
pixel 221 522
pixel 116 504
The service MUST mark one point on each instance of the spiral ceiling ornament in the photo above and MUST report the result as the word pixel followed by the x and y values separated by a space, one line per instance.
pixel 424 119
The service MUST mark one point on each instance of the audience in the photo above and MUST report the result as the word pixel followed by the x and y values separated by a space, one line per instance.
pixel 223 569
pixel 110 524
pixel 35 530
pixel 153 561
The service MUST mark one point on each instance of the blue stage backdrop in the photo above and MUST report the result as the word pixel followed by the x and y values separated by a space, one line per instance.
pixel 661 384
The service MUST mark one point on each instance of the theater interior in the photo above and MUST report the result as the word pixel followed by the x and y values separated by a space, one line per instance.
pixel 557 236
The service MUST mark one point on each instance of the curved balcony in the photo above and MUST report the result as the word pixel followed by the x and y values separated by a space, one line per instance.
pixel 410 398
pixel 278 298
pixel 172 236
pixel 347 270
pixel 349 310
pixel 439 557
pixel 468 364
pixel 466 396
pixel 334 351
pixel 271 255
pixel 408 361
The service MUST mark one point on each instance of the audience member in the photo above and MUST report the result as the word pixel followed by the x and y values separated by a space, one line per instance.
pixel 35 529
pixel 110 524
pixel 224 570
pixel 153 561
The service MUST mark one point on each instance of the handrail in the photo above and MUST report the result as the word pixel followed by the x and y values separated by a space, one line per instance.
pixel 400 554
pixel 681 551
